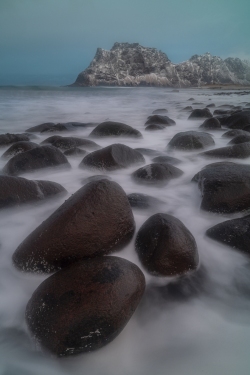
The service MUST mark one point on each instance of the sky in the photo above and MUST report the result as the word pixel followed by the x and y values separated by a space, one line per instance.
pixel 59 38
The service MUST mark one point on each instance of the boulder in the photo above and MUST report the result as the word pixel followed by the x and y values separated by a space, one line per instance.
pixel 225 187
pixel 240 139
pixel 48 127
pixel 115 129
pixel 238 151
pixel 157 174
pixel 159 119
pixel 191 140
pixel 143 201
pixel 200 113
pixel 153 127
pixel 166 159
pixel 7 139
pixel 187 109
pixel 211 124
pixel 37 158
pixel 238 120
pixel 85 306
pixel 234 233
pixel 18 148
pixel 166 247
pixel 148 151
pixel 96 177
pixel 234 133
pixel 65 143
pixel 51 140
pixel 211 105
pixel 112 157
pixel 17 190
pixel 94 221
pixel 160 111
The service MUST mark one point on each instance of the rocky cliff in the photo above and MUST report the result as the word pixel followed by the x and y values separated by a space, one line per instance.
pixel 133 65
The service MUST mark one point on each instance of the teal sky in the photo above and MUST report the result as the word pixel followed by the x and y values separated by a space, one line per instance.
pixel 60 37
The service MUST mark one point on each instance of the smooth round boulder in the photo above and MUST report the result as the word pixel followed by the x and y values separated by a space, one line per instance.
pixel 19 147
pixel 160 111
pixel 240 139
pixel 166 247
pixel 65 143
pixel 211 124
pixel 225 187
pixel 39 128
pixel 143 201
pixel 191 140
pixel 96 177
pixel 200 113
pixel 211 105
pixel 37 158
pixel 85 306
pixel 238 151
pixel 7 139
pixel 17 190
pixel 188 108
pixel 159 119
pixel 115 129
pixel 94 221
pixel 154 127
pixel 157 174
pixel 116 156
pixel 238 120
pixel 234 233
pixel 166 159
pixel 51 140
pixel 233 133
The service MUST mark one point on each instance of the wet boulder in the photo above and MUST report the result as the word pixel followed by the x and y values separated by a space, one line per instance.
pixel 65 143
pixel 211 105
pixel 225 187
pixel 188 108
pixel 85 306
pixel 166 247
pixel 211 124
pixel 7 139
pixel 159 119
pixel 51 140
pixel 17 190
pixel 238 151
pixel 96 177
pixel 41 127
pixel 234 133
pixel 166 159
pixel 115 129
pixel 94 221
pixel 18 148
pixel 238 120
pixel 154 127
pixel 143 201
pixel 75 151
pixel 160 111
pixel 37 158
pixel 200 113
pixel 157 174
pixel 240 139
pixel 191 140
pixel 112 157
pixel 234 233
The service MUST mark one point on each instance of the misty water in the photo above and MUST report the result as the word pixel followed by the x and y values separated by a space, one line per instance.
pixel 206 334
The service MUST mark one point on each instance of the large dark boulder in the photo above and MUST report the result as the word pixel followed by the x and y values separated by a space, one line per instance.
pixel 240 139
pixel 143 201
pixel 65 143
pixel 37 158
pixel 225 187
pixel 85 306
pixel 18 148
pixel 47 127
pixel 238 120
pixel 166 247
pixel 166 159
pixel 112 157
pixel 17 190
pixel 160 111
pixel 238 151
pixel 234 133
pixel 211 124
pixel 115 129
pixel 158 174
pixel 7 139
pixel 200 113
pixel 51 140
pixel 154 127
pixel 234 233
pixel 191 140
pixel 158 119
pixel 94 221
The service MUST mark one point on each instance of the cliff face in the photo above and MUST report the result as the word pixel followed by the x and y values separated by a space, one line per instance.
pixel 133 65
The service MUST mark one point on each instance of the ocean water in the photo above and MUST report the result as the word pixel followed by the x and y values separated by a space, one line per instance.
pixel 208 334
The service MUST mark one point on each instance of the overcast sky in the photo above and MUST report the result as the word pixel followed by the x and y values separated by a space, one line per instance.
pixel 60 37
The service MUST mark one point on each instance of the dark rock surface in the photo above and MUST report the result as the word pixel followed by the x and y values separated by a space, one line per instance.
pixel 148 151
pixel 19 147
pixel 112 157
pixel 17 190
pixel 166 159
pixel 115 129
pixel 65 143
pixel 154 127
pixel 94 221
pixel 225 187
pixel 160 111
pixel 240 139
pixel 159 119
pixel 211 124
pixel 85 306
pixel 234 233
pixel 157 174
pixel 191 140
pixel 7 139
pixel 200 113
pixel 238 151
pixel 143 201
pixel 166 247
pixel 238 120
pixel 134 65
pixel 51 140
pixel 187 109
pixel 96 177
pixel 234 133
pixel 37 158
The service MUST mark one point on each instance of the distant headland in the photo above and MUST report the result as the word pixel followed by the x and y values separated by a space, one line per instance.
pixel 134 65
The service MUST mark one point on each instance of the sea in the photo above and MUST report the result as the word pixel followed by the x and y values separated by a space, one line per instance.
pixel 206 333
